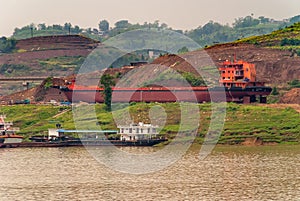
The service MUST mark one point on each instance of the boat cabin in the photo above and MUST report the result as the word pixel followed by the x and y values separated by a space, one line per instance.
pixel 138 131
pixel 6 127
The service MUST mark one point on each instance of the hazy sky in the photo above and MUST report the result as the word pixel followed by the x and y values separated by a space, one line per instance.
pixel 178 14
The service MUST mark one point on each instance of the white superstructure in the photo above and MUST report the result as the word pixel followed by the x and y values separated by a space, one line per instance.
pixel 138 131
pixel 8 133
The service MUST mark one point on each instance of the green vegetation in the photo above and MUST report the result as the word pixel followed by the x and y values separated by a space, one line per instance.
pixel 7 45
pixel 48 83
pixel 288 36
pixel 62 63
pixel 104 25
pixel 291 42
pixel 280 125
pixel 11 70
pixel 178 77
pixel 269 124
pixel 183 50
pixel 294 84
pixel 193 80
pixel 213 32
pixel 44 30
pixel 107 81
pixel 30 118
pixel 208 34
pixel 275 91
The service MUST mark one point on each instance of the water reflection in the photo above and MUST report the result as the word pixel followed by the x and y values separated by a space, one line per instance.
pixel 229 173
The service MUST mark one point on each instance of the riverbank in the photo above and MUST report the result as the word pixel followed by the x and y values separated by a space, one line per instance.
pixel 244 124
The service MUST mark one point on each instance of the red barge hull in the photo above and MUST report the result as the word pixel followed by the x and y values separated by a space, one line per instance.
pixel 163 95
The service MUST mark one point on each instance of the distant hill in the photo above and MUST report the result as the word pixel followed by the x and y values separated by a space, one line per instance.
pixel 46 55
pixel 207 34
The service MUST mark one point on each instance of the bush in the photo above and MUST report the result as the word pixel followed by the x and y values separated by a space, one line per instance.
pixel 275 91
pixel 294 84
pixel 7 45
pixel 292 41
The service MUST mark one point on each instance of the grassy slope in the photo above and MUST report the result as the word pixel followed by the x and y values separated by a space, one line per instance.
pixel 274 39
pixel 242 121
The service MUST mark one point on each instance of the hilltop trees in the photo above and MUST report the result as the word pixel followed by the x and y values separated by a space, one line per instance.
pixel 247 21
pixel 43 30
pixel 208 34
pixel 295 19
pixel 122 24
pixel 67 27
pixel 104 25
pixel 7 45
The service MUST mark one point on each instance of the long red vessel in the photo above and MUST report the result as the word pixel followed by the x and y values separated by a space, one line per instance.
pixel 237 84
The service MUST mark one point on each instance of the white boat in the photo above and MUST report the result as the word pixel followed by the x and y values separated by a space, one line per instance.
pixel 8 136
pixel 138 131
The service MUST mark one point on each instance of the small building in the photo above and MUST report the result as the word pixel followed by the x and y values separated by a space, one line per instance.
pixel 138 131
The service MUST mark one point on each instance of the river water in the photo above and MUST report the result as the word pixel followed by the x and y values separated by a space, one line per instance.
pixel 228 173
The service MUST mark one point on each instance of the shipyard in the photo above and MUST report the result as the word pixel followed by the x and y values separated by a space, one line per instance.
pixel 157 100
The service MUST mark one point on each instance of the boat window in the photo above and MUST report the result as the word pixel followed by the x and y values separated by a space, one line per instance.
pixel 130 130
pixel 122 130
pixel 148 130
pixel 137 130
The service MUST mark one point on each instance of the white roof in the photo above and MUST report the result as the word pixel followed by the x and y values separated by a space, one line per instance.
pixel 140 124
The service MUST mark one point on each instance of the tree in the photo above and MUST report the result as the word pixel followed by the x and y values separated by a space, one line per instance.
pixel 275 91
pixel 122 24
pixel 67 26
pixel 183 50
pixel 295 19
pixel 294 83
pixel 76 30
pixel 211 27
pixel 193 80
pixel 107 81
pixel 263 20
pixel 247 21
pixel 7 45
pixel 104 25
pixel 41 26
pixel 284 42
pixel 57 27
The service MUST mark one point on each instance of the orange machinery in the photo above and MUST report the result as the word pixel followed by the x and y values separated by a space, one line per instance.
pixel 238 74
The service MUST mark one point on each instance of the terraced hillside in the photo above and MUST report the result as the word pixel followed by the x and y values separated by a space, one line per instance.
pixel 46 56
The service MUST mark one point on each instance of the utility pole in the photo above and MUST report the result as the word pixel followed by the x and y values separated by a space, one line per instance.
pixel 31 28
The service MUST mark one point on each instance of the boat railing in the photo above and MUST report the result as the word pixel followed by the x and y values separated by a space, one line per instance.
pixel 14 128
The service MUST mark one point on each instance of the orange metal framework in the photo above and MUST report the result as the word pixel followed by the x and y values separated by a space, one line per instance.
pixel 237 74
